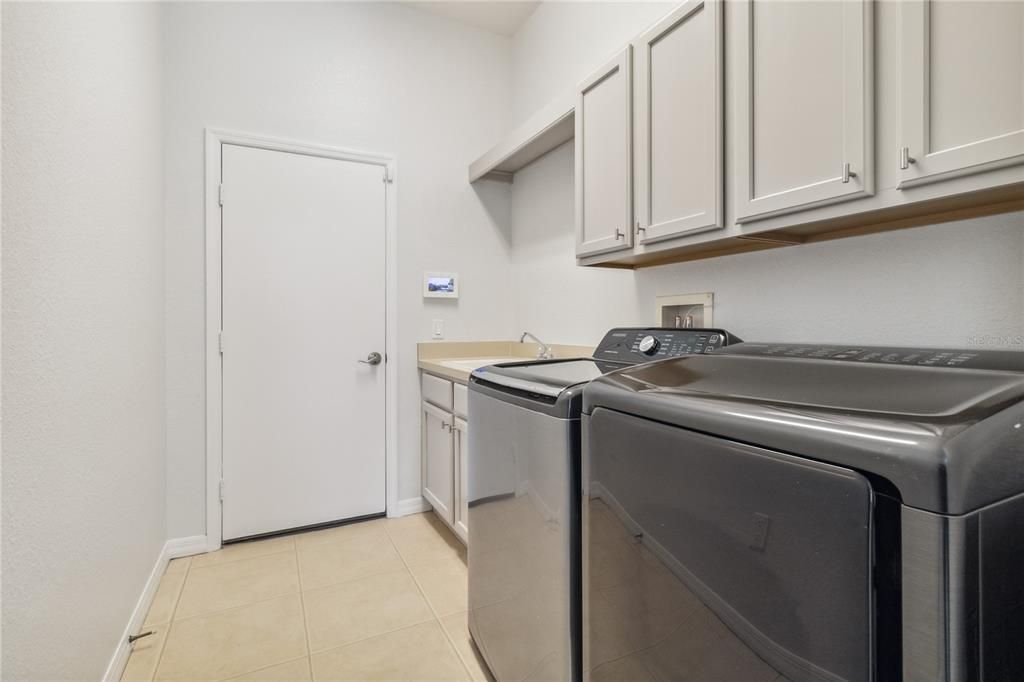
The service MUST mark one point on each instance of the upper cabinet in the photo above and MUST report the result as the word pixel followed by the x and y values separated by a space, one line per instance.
pixel 678 125
pixel 961 88
pixel 842 118
pixel 604 181
pixel 804 98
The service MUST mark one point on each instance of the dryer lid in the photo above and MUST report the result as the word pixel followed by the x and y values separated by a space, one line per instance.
pixel 950 439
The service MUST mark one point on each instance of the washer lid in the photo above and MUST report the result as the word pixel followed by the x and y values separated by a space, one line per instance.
pixel 547 378
pixel 949 439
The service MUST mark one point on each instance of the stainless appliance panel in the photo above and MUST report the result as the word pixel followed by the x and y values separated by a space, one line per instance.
pixel 940 612
pixel 522 513
pixel 963 597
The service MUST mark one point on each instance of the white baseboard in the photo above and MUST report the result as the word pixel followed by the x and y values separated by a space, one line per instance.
pixel 410 505
pixel 172 549
pixel 179 547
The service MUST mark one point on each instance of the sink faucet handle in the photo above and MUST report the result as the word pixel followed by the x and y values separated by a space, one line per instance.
pixel 544 352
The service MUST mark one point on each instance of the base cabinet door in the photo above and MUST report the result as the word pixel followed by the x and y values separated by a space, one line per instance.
pixel 678 123
pixel 437 466
pixel 803 87
pixel 460 509
pixel 961 88
pixel 604 168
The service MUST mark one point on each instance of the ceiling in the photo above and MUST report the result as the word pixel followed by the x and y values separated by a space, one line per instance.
pixel 496 16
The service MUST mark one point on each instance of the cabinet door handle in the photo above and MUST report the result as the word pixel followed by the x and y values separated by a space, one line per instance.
pixel 640 229
pixel 847 173
pixel 619 234
pixel 905 158
pixel 444 425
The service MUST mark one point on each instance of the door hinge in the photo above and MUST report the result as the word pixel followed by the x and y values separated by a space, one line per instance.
pixel 221 490
pixel 388 178
pixel 220 341
pixel 220 194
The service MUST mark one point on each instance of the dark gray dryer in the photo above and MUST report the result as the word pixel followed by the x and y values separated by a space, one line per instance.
pixel 814 512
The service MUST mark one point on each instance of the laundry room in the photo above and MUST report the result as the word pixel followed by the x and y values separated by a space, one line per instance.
pixel 512 340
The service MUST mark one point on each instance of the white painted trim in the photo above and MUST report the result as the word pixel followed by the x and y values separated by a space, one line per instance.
pixel 120 658
pixel 410 505
pixel 190 546
pixel 214 390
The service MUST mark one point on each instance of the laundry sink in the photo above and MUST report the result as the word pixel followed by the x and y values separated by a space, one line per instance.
pixel 469 364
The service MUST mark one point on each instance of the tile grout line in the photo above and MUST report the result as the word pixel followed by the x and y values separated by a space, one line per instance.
pixel 302 605
pixel 404 569
pixel 240 606
pixel 266 667
pixel 374 636
pixel 205 614
pixel 437 619
pixel 241 558
pixel 174 610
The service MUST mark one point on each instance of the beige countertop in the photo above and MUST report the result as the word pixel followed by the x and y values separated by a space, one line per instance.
pixel 455 360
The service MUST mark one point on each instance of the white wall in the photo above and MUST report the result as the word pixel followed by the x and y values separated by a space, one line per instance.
pixel 940 285
pixel 379 77
pixel 943 285
pixel 563 42
pixel 83 372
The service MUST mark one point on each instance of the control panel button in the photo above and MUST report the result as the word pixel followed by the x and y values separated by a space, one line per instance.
pixel 649 345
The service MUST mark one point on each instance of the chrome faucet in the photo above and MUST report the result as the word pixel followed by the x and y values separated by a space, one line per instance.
pixel 544 353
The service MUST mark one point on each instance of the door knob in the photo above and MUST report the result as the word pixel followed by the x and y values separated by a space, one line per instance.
pixel 373 358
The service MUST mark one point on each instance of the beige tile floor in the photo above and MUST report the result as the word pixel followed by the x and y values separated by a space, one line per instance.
pixel 377 600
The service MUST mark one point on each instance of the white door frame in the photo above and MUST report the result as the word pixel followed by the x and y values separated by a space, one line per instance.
pixel 214 378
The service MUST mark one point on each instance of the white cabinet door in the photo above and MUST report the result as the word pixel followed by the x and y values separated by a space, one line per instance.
pixel 803 89
pixel 461 507
pixel 961 88
pixel 679 110
pixel 604 173
pixel 438 473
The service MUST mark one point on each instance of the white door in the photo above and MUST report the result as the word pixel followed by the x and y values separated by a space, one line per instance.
pixel 961 89
pixel 604 164
pixel 438 462
pixel 303 244
pixel 679 143
pixel 803 89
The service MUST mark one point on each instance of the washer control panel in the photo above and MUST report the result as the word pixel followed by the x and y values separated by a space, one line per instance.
pixel 644 344
pixel 925 357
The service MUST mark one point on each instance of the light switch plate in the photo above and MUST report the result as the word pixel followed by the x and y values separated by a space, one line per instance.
pixel 437 329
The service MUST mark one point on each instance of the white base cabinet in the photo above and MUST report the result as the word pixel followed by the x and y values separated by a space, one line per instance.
pixel 438 461
pixel 460 509
pixel 444 451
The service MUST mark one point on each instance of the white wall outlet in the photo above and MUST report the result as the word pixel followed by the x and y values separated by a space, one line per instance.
pixel 437 329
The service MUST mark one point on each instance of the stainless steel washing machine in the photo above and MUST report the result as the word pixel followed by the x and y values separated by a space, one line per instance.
pixel 779 511
pixel 524 458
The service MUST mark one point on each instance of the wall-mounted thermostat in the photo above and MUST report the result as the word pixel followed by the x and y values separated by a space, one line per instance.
pixel 684 310
pixel 440 285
